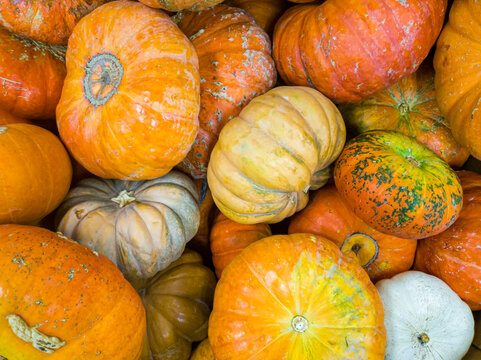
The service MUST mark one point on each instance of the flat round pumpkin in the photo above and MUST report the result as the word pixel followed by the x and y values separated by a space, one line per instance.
pixel 296 297
pixel 177 5
pixel 130 101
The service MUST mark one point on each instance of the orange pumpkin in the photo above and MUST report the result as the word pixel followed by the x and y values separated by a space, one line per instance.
pixel 328 215
pixel 59 300
pixel 351 49
pixel 7 118
pixel 36 173
pixel 235 66
pixel 130 101
pixel 203 351
pixel 177 5
pixel 296 297
pixel 454 255
pixel 228 239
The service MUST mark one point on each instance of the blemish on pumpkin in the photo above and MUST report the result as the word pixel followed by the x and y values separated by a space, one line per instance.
pixel 62 236
pixel 3 129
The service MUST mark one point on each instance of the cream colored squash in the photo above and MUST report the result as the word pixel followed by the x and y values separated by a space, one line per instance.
pixel 142 226
pixel 424 318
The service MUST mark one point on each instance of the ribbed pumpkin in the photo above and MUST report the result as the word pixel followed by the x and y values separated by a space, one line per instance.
pixel 235 65
pixel 178 301
pixel 351 49
pixel 130 101
pixel 228 239
pixel 328 215
pixel 296 297
pixel 269 156
pixel 35 173
pixel 142 226
pixel 61 301
pixel 409 107
pixel 457 80
pixel 397 185
pixel 177 5
pixel 454 255
pixel 203 351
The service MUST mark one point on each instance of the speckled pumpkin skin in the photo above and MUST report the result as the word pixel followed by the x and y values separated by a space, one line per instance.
pixel 71 293
pixel 177 5
pixel 277 279
pixel 397 185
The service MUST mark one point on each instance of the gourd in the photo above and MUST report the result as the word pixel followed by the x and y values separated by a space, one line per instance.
pixel 177 5
pixel 203 351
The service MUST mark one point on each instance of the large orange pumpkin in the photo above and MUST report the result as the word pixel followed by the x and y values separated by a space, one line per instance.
pixel 235 66
pixel 454 255
pixel 7 118
pixel 351 49
pixel 296 297
pixel 35 173
pixel 59 300
pixel 130 101
pixel 177 5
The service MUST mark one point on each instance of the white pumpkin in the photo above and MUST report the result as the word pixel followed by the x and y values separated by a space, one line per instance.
pixel 424 318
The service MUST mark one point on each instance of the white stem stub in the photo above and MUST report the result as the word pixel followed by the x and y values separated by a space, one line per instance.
pixel 300 324
pixel 124 198
pixel 3 129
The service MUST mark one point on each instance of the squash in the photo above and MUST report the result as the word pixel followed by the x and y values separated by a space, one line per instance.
pixel 454 255
pixel 474 352
pixel 410 107
pixel 36 173
pixel 397 185
pixel 62 301
pixel 228 239
pixel 328 215
pixel 269 156
pixel 351 49
pixel 296 297
pixel 235 65
pixel 130 101
pixel 178 301
pixel 7 118
pixel 177 5
pixel 203 351
pixel 424 318
pixel 141 226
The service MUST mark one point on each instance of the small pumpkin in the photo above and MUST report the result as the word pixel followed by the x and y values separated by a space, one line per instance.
pixel 328 215
pixel 397 185
pixel 141 226
pixel 62 301
pixel 177 5
pixel 228 239
pixel 203 351
pixel 269 156
pixel 424 318
pixel 178 301
pixel 130 100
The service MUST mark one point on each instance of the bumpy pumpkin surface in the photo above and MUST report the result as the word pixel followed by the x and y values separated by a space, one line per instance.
pixel 454 255
pixel 130 100
pixel 60 301
pixel 235 66
pixel 328 215
pixel 409 107
pixel 178 301
pixel 296 297
pixel 351 49
pixel 177 5
pixel 397 185
pixel 269 156
pixel 142 226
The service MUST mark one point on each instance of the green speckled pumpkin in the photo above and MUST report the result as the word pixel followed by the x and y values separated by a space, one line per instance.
pixel 397 185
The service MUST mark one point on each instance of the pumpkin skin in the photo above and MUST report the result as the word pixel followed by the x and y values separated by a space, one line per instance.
pixel 70 293
pixel 273 152
pixel 177 5
pixel 36 173
pixel 203 351
pixel 298 289
pixel 235 66
pixel 178 301
pixel 397 185
pixel 130 100
pixel 454 255
pixel 228 239
pixel 409 107
pixel 141 226
pixel 349 50
pixel 7 118
pixel 327 214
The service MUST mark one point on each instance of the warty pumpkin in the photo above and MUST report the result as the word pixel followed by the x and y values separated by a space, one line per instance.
pixel 130 101
pixel 177 5
pixel 59 300
pixel 269 156
pixel 235 66
pixel 141 226
pixel 397 185
pixel 296 297
pixel 351 49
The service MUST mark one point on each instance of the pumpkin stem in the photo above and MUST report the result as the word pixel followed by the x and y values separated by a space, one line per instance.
pixel 423 338
pixel 355 248
pixel 300 324
pixel 404 108
pixel 124 198
pixel 413 161
pixel 40 341
pixel 3 129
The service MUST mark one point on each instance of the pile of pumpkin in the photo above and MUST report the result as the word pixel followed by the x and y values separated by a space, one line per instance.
pixel 147 144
